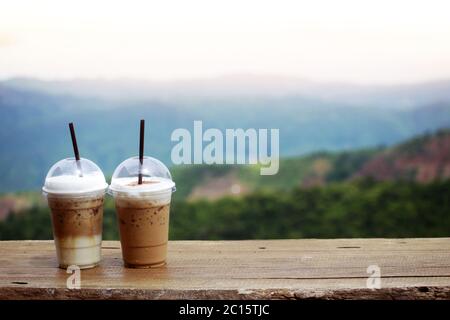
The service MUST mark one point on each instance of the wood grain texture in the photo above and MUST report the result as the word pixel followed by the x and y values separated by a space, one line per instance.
pixel 261 269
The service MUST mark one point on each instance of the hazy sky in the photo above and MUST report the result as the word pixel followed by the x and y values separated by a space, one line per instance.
pixel 383 41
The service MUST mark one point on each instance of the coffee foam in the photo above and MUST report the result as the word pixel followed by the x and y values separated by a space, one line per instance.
pixel 151 185
pixel 71 184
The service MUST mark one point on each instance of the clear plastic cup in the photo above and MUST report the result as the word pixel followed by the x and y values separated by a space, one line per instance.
pixel 75 192
pixel 143 210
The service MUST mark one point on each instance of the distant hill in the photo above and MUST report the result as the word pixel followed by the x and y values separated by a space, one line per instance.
pixel 423 159
pixel 407 96
pixel 34 117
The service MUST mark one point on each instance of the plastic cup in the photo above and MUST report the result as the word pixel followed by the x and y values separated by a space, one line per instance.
pixel 75 191
pixel 143 211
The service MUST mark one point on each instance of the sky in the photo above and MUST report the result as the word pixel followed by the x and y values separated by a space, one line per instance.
pixel 357 41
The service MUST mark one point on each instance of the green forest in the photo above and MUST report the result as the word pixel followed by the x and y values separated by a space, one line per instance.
pixel 358 208
pixel 400 191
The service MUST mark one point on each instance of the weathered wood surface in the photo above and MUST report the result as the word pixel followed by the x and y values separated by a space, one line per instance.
pixel 262 269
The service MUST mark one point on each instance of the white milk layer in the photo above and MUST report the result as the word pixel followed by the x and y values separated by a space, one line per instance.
pixel 70 184
pixel 83 251
pixel 151 184
pixel 157 189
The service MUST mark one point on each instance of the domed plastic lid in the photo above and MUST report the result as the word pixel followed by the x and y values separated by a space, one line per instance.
pixel 69 176
pixel 155 177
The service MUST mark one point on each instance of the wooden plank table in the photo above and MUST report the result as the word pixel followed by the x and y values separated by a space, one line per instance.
pixel 261 269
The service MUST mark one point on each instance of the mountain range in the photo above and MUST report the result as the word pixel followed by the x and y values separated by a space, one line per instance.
pixel 311 117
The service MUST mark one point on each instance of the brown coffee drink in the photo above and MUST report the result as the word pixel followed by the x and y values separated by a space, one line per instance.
pixel 144 228
pixel 75 190
pixel 142 190
pixel 77 227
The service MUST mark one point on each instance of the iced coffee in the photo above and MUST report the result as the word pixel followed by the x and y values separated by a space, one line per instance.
pixel 75 192
pixel 142 211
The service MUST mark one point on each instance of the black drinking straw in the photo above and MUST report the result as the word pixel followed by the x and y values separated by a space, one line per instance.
pixel 75 147
pixel 141 150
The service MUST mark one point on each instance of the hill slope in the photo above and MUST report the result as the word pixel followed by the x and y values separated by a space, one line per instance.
pixel 423 159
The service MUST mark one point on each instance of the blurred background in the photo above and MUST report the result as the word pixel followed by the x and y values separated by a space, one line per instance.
pixel 360 91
